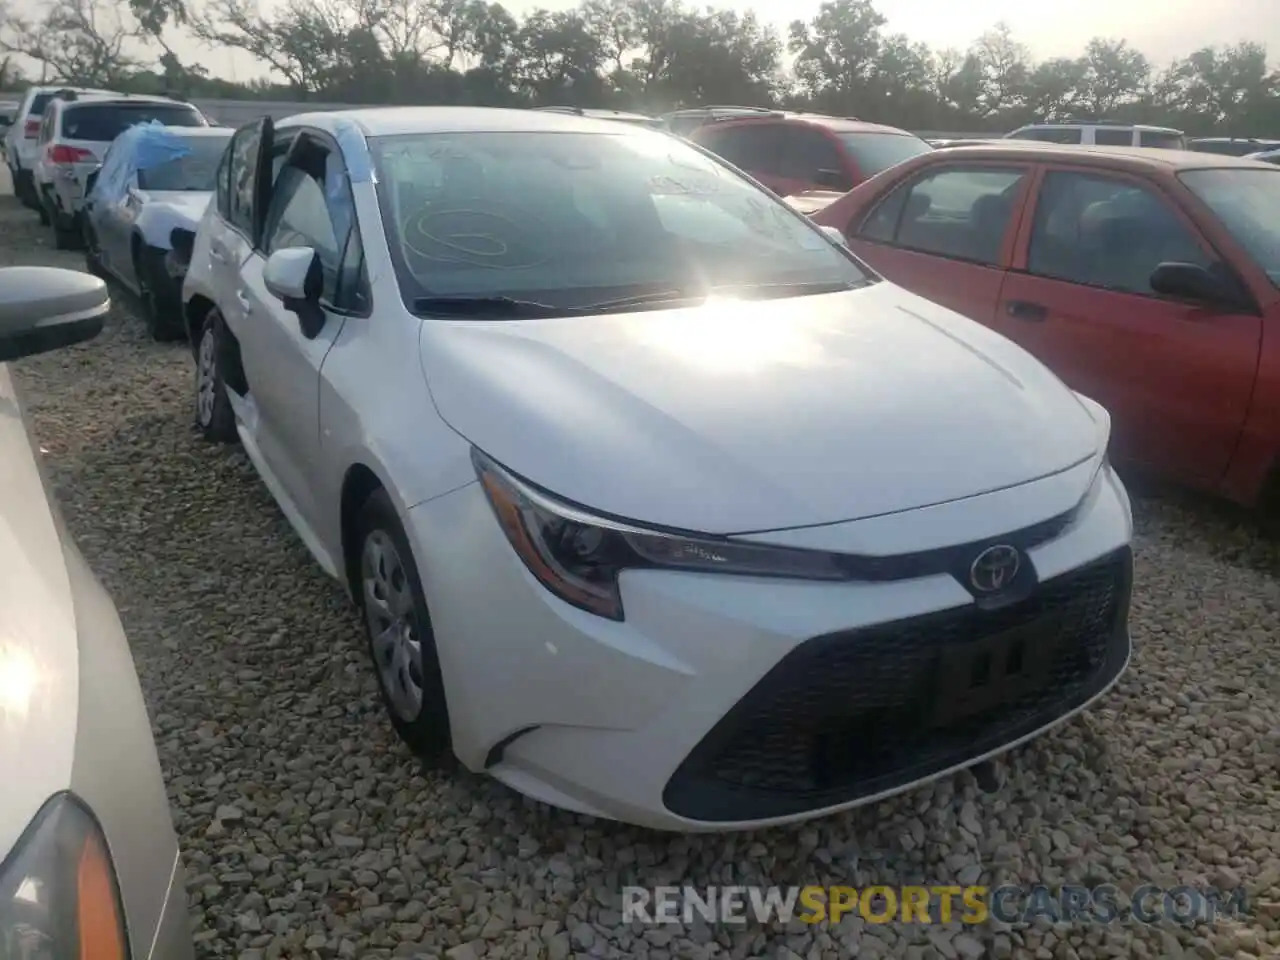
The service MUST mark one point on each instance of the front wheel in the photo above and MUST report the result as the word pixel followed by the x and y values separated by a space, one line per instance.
pixel 157 311
pixel 214 417
pixel 398 628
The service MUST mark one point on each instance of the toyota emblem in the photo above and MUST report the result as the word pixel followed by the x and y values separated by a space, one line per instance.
pixel 994 568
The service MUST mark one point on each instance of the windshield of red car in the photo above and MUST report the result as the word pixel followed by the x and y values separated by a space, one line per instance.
pixel 569 218
pixel 1247 201
pixel 873 152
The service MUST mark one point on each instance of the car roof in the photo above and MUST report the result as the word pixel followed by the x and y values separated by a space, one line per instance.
pixel 390 121
pixel 838 124
pixel 598 112
pixel 1114 124
pixel 1134 158
pixel 58 88
pixel 109 99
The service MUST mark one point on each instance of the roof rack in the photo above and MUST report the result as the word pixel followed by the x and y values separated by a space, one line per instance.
pixel 720 106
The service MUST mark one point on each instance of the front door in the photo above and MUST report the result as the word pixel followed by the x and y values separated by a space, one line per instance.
pixel 310 206
pixel 1177 377
pixel 946 235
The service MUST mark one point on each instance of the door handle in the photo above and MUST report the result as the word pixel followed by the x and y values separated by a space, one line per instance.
pixel 216 254
pixel 245 303
pixel 1026 310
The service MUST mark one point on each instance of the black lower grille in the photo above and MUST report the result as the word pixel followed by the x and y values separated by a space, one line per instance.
pixel 854 714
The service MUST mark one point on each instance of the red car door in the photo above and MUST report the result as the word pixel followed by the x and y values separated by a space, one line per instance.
pixel 947 233
pixel 1177 377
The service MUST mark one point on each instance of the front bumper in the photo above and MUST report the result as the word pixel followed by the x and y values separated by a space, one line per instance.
pixel 734 702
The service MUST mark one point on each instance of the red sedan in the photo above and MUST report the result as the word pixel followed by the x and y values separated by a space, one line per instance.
pixel 1148 280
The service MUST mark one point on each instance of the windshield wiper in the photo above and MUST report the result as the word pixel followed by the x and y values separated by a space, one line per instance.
pixel 643 299
pixel 786 289
pixel 507 307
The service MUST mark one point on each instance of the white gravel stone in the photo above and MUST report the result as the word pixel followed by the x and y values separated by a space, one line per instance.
pixel 308 830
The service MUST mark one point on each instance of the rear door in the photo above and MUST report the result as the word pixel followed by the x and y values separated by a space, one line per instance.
pixel 1177 377
pixel 947 233
pixel 234 228
pixel 755 147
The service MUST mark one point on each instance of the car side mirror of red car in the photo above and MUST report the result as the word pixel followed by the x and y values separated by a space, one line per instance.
pixel 1191 281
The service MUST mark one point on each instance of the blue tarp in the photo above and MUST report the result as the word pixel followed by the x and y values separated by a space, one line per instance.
pixel 141 147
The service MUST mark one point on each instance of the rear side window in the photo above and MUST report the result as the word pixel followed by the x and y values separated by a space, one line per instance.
pixel 809 155
pixel 105 121
pixel 1161 140
pixel 1111 137
pixel 756 148
pixel 38 103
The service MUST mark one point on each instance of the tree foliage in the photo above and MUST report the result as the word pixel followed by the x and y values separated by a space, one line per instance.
pixel 645 55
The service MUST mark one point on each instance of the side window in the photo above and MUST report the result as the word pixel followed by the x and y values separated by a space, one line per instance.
pixel 1112 137
pixel 756 147
pixel 960 212
pixel 312 206
pixel 807 153
pixel 243 176
pixel 1106 232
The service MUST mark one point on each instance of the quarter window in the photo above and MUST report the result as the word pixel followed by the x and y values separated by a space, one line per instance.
pixel 1106 232
pixel 958 212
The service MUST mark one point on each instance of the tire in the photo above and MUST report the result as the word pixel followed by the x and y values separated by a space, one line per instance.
pixel 64 237
pixel 214 417
pixel 157 312
pixel 392 605
pixel 92 261
pixel 42 208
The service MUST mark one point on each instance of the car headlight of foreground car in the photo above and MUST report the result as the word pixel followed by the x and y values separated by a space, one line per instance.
pixel 58 893
pixel 578 556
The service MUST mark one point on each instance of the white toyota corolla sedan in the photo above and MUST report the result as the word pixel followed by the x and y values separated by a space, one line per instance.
pixel 659 505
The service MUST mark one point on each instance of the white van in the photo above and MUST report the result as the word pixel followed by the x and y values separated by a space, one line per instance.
pixel 1103 134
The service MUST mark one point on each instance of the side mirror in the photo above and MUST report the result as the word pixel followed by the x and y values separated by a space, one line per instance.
pixel 832 180
pixel 834 235
pixel 1190 281
pixel 293 276
pixel 288 275
pixel 45 308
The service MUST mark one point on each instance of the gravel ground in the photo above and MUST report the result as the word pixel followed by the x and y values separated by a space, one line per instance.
pixel 308 831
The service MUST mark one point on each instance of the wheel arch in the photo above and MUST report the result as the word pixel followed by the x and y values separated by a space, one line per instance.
pixel 358 484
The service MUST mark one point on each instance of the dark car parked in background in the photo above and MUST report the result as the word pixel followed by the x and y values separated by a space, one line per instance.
pixel 1231 146
pixel 795 152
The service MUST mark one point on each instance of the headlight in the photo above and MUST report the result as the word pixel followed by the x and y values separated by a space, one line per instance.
pixel 58 894
pixel 578 556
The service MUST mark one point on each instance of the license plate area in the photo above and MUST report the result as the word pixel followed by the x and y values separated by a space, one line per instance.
pixel 996 670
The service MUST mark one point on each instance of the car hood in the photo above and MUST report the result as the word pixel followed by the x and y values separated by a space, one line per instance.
pixel 39 651
pixel 746 416
pixel 165 209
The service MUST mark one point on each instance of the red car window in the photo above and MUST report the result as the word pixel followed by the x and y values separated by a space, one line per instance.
pixel 1106 232
pixel 754 147
pixel 873 151
pixel 811 156
pixel 959 212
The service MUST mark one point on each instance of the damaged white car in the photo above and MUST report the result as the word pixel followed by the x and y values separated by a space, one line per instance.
pixel 142 211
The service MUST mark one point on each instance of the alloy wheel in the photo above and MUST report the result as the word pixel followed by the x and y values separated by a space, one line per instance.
pixel 206 377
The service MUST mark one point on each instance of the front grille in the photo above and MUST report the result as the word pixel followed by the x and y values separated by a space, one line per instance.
pixel 854 714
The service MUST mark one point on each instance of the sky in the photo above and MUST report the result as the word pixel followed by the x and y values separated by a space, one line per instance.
pixel 1162 29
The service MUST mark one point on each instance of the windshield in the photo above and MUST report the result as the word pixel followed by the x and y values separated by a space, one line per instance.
pixel 105 121
pixel 570 219
pixel 873 152
pixel 1247 201
pixel 196 171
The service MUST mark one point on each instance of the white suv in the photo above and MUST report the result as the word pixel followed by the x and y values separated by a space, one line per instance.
pixel 657 503
pixel 20 138
pixel 1102 134
pixel 74 136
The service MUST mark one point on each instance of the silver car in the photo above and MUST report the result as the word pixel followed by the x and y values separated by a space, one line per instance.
pixel 88 856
